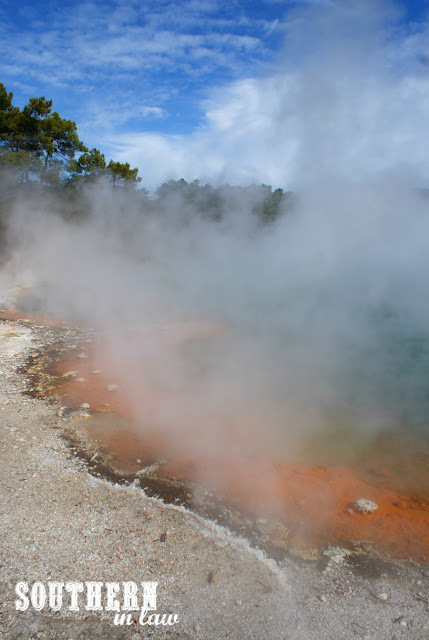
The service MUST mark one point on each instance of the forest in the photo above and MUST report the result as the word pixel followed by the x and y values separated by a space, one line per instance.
pixel 42 153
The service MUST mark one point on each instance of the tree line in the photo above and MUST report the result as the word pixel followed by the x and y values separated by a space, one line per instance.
pixel 43 149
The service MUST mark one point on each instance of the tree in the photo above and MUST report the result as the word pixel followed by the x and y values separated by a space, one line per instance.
pixel 121 174
pixel 5 99
pixel 59 139
pixel 89 166
pixel 23 161
pixel 8 119
pixel 48 136
pixel 35 132
pixel 269 208
pixel 42 145
pixel 12 149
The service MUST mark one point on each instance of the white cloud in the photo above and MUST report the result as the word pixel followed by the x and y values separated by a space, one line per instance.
pixel 154 112
pixel 112 114
pixel 95 39
pixel 160 158
pixel 357 109
pixel 239 143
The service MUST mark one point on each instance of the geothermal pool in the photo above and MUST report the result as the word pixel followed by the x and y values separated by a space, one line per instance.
pixel 307 490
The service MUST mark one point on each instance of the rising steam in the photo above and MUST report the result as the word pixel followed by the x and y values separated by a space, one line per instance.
pixel 323 313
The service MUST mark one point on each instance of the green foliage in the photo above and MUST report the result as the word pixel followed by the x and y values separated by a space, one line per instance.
pixel 36 139
pixel 8 117
pixel 122 174
pixel 22 162
pixel 215 203
pixel 44 146
pixel 89 166
pixel 58 138
pixel 5 99
pixel 268 209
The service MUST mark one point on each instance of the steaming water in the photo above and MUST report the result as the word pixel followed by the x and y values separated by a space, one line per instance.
pixel 324 315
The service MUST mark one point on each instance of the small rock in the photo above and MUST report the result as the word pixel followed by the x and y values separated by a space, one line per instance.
pixel 82 356
pixel 112 387
pixel 84 405
pixel 70 374
pixel 364 506
pixel 61 411
pixel 238 602
pixel 323 598
pixel 383 597
pixel 211 577
pixel 96 372
pixel 80 379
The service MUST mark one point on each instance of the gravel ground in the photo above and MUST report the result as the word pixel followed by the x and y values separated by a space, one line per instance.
pixel 60 523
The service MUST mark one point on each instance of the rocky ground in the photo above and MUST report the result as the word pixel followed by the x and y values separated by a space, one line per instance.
pixel 61 523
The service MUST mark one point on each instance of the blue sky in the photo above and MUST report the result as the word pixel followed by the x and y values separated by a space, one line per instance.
pixel 141 66
pixel 198 88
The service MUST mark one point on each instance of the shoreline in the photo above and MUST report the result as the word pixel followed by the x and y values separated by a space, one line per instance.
pixel 61 523
pixel 285 508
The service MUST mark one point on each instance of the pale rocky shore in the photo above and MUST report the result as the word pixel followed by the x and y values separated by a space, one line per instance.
pixel 60 523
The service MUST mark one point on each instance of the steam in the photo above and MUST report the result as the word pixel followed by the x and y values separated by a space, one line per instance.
pixel 323 313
